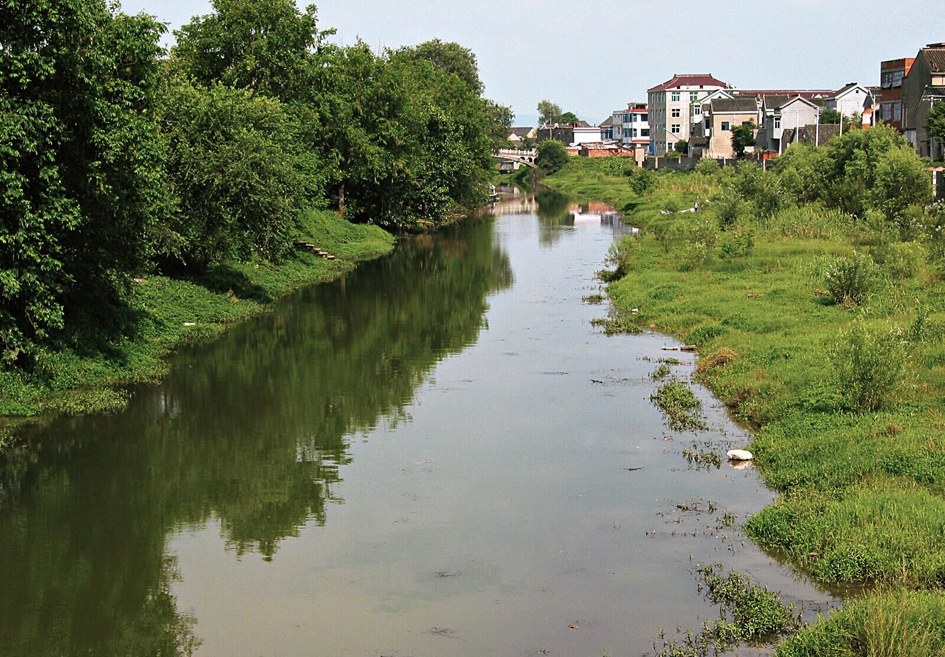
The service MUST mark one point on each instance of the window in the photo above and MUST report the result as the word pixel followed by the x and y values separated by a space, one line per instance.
pixel 627 118
pixel 897 111
pixel 697 110
pixel 626 132
pixel 726 125
pixel 887 111
pixel 644 132
pixel 708 124
pixel 633 132
pixel 675 112
pixel 676 128
pixel 777 123
pixel 675 96
pixel 644 117
pixel 693 96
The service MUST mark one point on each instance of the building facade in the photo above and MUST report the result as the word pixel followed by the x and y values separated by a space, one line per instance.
pixel 921 89
pixel 672 108
pixel 888 107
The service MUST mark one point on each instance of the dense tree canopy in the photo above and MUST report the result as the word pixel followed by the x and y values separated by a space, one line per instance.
pixel 81 171
pixel 113 158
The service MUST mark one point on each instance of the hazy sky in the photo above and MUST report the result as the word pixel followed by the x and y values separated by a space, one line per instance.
pixel 594 56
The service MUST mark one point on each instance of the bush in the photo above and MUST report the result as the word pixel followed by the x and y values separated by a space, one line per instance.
pixel 903 259
pixel 737 242
pixel 934 229
pixel 708 166
pixel 868 364
pixel 621 255
pixel 641 180
pixel 850 280
pixel 551 156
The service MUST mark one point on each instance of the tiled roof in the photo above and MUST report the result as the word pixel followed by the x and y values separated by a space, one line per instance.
pixel 847 87
pixel 734 105
pixel 803 93
pixel 608 122
pixel 936 59
pixel 521 132
pixel 688 80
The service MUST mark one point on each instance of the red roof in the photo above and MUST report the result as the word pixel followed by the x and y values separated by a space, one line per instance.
pixel 689 80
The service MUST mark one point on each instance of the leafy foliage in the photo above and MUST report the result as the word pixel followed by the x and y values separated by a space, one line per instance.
pixel 936 122
pixel 238 168
pixel 743 136
pixel 551 155
pixel 850 279
pixel 868 364
pixel 82 182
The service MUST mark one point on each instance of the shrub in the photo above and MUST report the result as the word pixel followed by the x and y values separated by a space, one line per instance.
pixel 667 234
pixel 621 255
pixel 868 364
pixel 903 259
pixel 728 208
pixel 642 180
pixel 708 166
pixel 737 242
pixel 934 229
pixel 850 280
pixel 551 155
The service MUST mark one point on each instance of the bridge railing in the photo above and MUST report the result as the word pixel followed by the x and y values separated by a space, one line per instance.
pixel 515 152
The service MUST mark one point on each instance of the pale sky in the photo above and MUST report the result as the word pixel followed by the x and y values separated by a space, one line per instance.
pixel 594 56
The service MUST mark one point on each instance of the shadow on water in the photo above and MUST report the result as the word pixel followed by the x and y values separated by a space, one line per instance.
pixel 249 431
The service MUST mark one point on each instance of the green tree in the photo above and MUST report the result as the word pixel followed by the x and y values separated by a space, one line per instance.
pixel 569 117
pixel 936 123
pixel 81 170
pixel 500 123
pixel 265 45
pixel 551 155
pixel 240 171
pixel 548 112
pixel 449 57
pixel 743 136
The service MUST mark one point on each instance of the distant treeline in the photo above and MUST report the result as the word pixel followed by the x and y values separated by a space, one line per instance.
pixel 118 158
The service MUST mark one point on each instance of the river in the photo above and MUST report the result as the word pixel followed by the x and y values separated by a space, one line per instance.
pixel 437 455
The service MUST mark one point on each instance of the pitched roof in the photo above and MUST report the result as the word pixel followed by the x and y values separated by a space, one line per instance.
pixel 608 122
pixel 935 56
pixel 521 132
pixel 688 80
pixel 742 104
pixel 804 93
pixel 847 87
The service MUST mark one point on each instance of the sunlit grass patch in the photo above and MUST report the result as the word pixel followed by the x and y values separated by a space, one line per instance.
pixel 893 623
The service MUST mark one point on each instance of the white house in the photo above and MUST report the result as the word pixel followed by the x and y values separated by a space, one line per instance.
pixel 850 100
pixel 672 107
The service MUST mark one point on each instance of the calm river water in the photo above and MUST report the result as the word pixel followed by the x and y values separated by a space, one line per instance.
pixel 438 455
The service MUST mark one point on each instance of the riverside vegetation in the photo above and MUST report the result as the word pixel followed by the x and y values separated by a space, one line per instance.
pixel 148 198
pixel 815 292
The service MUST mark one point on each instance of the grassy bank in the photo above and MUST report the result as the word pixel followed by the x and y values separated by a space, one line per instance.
pixel 845 390
pixel 87 373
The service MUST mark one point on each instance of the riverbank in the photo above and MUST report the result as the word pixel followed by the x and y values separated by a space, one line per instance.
pixel 726 263
pixel 91 373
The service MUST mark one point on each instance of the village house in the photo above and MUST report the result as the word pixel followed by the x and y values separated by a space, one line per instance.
pixel 671 108
pixel 892 73
pixel 921 88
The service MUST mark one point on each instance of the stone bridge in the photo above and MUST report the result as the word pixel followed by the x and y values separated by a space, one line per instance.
pixel 524 157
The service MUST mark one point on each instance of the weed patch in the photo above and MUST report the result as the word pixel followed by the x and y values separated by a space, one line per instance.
pixel 680 405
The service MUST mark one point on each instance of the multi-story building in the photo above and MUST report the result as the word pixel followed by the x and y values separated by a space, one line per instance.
pixel 892 72
pixel 921 88
pixel 674 105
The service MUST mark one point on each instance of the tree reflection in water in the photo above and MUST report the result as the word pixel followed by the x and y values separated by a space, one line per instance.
pixel 251 430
